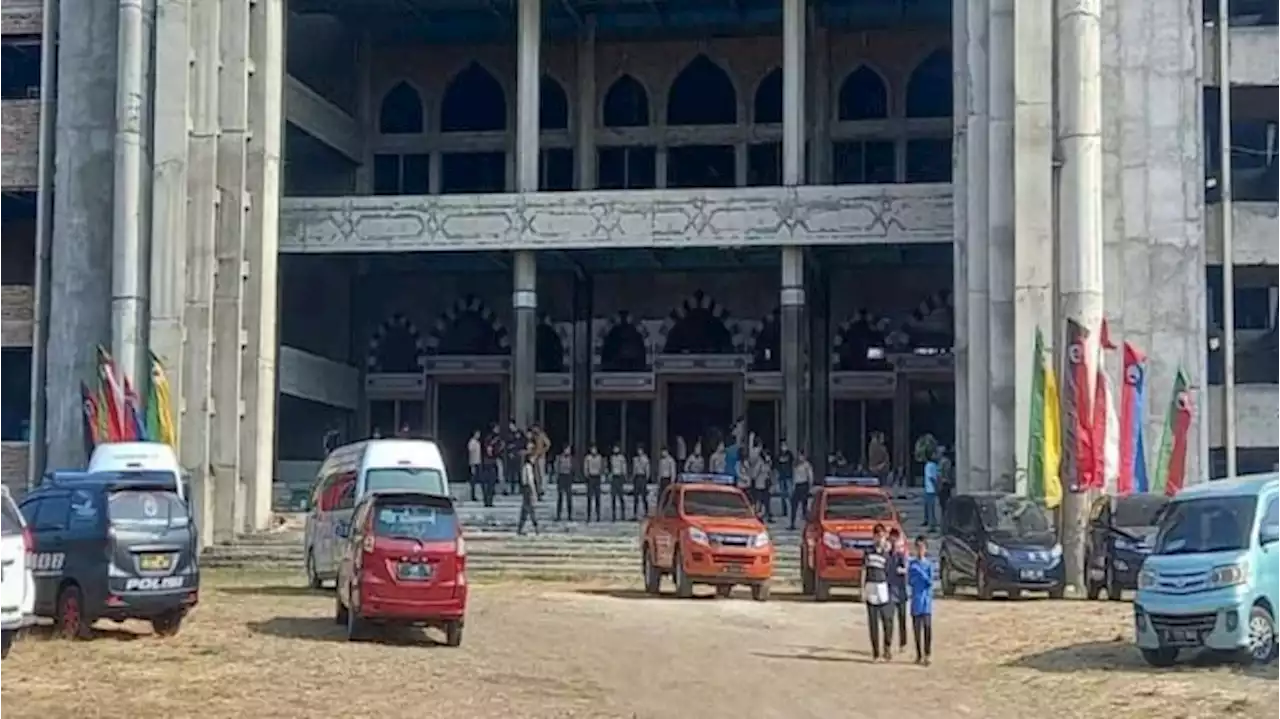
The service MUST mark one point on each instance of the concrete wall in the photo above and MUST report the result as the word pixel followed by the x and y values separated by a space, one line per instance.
pixel 18 147
pixel 1254 231
pixel 1254 59
pixel 21 17
pixel 1257 417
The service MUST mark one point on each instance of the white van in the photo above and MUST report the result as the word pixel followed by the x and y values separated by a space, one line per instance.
pixel 351 472
pixel 149 457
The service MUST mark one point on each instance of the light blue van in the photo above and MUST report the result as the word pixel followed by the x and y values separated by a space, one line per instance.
pixel 1211 579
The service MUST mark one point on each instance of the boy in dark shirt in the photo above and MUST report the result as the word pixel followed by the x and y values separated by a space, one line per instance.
pixel 875 594
pixel 920 579
pixel 897 571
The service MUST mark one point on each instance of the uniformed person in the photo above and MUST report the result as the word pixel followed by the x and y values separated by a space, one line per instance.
pixel 717 463
pixel 564 483
pixel 617 483
pixel 695 464
pixel 666 470
pixel 640 482
pixel 593 469
pixel 528 490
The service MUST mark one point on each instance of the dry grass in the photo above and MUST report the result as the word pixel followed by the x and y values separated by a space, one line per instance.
pixel 262 646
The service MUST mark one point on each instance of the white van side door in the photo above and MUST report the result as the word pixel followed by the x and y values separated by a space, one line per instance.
pixel 341 501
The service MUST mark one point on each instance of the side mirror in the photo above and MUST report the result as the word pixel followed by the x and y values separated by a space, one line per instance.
pixel 1269 534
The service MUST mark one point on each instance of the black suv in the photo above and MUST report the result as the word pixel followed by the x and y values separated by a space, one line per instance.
pixel 1121 530
pixel 111 545
pixel 999 542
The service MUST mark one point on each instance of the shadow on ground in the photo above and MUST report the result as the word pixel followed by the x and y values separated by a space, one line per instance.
pixel 704 594
pixel 818 654
pixel 323 629
pixel 1120 654
pixel 100 630
pixel 275 590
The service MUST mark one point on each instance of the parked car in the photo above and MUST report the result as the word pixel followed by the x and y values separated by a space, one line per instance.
pixel 999 542
pixel 706 533
pixel 1121 530
pixel 112 545
pixel 838 532
pixel 403 562
pixel 18 595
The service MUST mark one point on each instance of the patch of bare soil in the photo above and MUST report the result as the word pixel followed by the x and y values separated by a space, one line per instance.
pixel 262 646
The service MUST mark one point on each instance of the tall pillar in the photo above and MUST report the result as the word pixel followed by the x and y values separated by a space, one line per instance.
pixel 258 383
pixel 128 333
pixel 585 153
pixel 524 297
pixel 169 190
pixel 1153 203
pixel 1033 208
pixel 196 427
pixel 583 345
pixel 819 296
pixel 792 295
pixel 80 253
pixel 960 228
pixel 1001 348
pixel 228 285
pixel 819 91
pixel 977 475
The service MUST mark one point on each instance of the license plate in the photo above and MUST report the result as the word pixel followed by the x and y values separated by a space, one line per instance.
pixel 731 569
pixel 154 562
pixel 1181 636
pixel 413 570
pixel 1031 575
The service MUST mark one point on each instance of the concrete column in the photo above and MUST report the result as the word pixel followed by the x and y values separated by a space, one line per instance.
pixel 583 347
pixel 196 425
pixel 524 298
pixel 1000 254
pixel 793 389
pixel 1033 207
pixel 793 122
pixel 976 475
pixel 820 91
pixel 128 334
pixel 960 228
pixel 80 255
pixel 585 152
pixel 258 383
pixel 228 286
pixel 1153 202
pixel 169 189
pixel 366 110
pixel 819 297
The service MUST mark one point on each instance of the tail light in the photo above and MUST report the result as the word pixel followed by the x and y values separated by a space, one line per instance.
pixel 368 543
pixel 28 542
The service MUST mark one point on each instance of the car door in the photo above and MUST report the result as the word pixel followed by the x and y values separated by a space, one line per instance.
pixel 962 539
pixel 317 518
pixel 342 497
pixel 1269 568
pixel 48 557
pixel 664 532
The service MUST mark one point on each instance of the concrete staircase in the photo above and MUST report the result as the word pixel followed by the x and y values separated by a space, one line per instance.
pixel 606 551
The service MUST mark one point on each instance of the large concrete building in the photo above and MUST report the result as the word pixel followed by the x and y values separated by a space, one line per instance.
pixel 628 220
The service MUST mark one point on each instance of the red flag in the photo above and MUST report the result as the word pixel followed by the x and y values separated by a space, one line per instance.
pixel 1078 465
pixel 1133 455
pixel 90 404
pixel 113 397
pixel 1106 436
pixel 134 427
pixel 1175 464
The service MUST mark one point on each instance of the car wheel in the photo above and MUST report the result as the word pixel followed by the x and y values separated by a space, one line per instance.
pixel 453 634
pixel 724 591
pixel 1262 635
pixel 684 585
pixel 339 611
pixel 821 590
pixel 945 579
pixel 1114 590
pixel 6 642
pixel 71 621
pixel 806 575
pixel 984 587
pixel 1163 657
pixel 652 577
pixel 1058 593
pixel 1015 594
pixel 1092 589
pixel 313 578
pixel 168 624
pixel 760 592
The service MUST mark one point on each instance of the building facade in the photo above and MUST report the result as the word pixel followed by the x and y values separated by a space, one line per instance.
pixel 631 223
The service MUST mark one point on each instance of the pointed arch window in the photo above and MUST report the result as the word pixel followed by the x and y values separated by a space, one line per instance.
pixel 474 101
pixel 626 104
pixel 929 88
pixel 864 95
pixel 401 111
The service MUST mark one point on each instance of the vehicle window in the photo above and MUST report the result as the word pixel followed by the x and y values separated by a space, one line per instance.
pixel 1272 516
pixel 146 509
pixel 423 522
pixel 1013 515
pixel 85 510
pixel 1139 510
pixel 332 489
pixel 858 506
pixel 344 492
pixel 707 503
pixel 959 516
pixel 1209 524
pixel 12 517
pixel 317 492
pixel 52 514
pixel 409 479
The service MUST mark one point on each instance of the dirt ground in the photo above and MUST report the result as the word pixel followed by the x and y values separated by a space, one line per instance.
pixel 262 646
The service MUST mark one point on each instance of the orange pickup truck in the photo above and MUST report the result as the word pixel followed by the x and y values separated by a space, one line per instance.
pixel 705 533
pixel 838 532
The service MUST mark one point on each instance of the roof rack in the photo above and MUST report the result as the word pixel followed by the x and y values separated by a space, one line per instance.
pixel 851 481
pixel 703 478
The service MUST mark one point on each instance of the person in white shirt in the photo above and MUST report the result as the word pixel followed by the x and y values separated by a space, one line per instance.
pixel 695 464
pixel 593 470
pixel 875 594
pixel 716 463
pixel 618 484
pixel 528 490
pixel 473 461
pixel 801 481
pixel 666 470
pixel 640 482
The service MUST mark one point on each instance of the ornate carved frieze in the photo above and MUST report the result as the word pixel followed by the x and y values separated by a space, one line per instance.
pixel 742 217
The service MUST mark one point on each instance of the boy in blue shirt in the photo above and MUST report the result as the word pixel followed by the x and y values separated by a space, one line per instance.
pixel 920 579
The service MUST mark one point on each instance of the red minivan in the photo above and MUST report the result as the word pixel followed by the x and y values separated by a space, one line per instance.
pixel 403 561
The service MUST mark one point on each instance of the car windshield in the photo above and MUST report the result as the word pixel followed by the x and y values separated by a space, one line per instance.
pixel 145 508
pixel 1018 516
pixel 409 479
pixel 707 503
pixel 423 522
pixel 858 506
pixel 1139 510
pixel 1209 524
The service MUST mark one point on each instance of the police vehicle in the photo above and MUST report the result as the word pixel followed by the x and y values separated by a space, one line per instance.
pixel 111 545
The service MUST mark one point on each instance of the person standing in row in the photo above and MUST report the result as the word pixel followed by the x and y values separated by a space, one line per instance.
pixel 695 464
pixel 518 448
pixel 541 446
pixel 564 483
pixel 528 490
pixel 492 474
pixel 593 469
pixel 756 478
pixel 716 462
pixel 666 470
pixel 897 571
pixel 618 484
pixel 875 594
pixel 474 451
pixel 785 466
pixel 802 478
pixel 640 482
pixel 920 578
pixel 931 492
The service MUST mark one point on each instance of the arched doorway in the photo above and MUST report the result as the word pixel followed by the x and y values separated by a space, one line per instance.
pixel 702 371
pixel 862 390
pixel 623 415
pixel 395 380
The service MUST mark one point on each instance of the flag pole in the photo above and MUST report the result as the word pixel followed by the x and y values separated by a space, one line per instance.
pixel 1228 239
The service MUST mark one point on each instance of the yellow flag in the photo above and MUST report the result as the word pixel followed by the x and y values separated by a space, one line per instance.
pixel 1052 439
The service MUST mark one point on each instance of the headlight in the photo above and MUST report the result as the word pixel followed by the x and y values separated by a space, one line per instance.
pixel 1229 575
pixel 1146 579
pixel 996 550
pixel 697 536
pixel 1055 552
pixel 761 540
pixel 830 540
